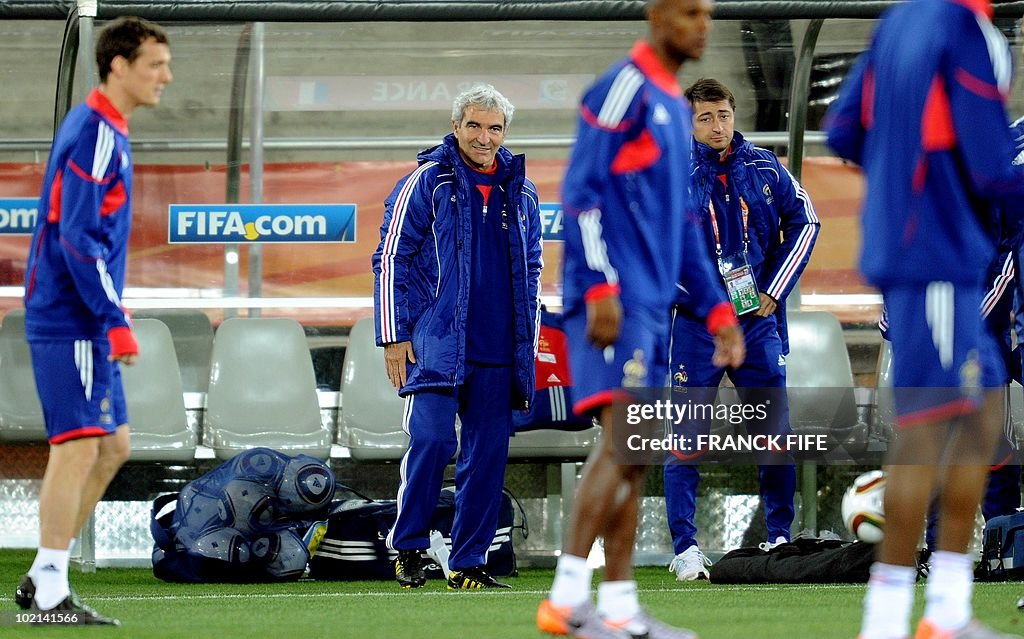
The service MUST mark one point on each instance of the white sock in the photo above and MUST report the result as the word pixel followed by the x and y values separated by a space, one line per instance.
pixel 617 602
pixel 948 593
pixel 50 577
pixel 888 602
pixel 43 557
pixel 572 581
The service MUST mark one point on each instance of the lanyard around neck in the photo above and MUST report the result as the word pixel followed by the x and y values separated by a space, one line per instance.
pixel 718 236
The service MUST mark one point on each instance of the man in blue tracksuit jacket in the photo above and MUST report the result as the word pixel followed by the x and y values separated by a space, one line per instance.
pixel 456 295
pixel 756 219
pixel 78 331
pixel 923 112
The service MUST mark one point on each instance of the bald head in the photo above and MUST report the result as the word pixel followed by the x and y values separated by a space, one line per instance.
pixel 679 29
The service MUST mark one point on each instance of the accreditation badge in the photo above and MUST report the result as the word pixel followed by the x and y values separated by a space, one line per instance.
pixel 740 283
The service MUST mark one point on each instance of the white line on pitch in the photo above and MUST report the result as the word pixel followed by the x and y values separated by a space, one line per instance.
pixel 448 593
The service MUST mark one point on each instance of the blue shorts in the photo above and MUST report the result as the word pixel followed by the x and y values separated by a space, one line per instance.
pixel 693 347
pixel 80 390
pixel 638 360
pixel 943 354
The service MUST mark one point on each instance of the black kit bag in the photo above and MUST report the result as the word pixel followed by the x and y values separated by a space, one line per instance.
pixel 802 561
pixel 1002 549
pixel 355 548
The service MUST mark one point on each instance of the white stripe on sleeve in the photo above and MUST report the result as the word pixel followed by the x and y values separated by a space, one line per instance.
pixel 594 248
pixel 620 96
pixel 103 152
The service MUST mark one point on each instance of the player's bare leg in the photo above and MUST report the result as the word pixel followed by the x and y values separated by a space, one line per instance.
pixel 963 486
pixel 605 504
pixel 948 593
pixel 603 489
pixel 61 495
pixel 921 462
pixel 113 453
pixel 620 527
pixel 60 499
pixel 86 466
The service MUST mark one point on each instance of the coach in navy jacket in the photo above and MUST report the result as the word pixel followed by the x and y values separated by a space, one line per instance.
pixel 456 283
pixel 413 305
pixel 760 227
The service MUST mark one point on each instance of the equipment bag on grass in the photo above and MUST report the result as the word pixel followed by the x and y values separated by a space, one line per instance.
pixel 1002 549
pixel 243 521
pixel 802 561
pixel 354 546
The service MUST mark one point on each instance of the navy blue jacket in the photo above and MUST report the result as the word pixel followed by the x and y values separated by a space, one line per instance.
pixel 922 112
pixel 1002 307
pixel 782 223
pixel 628 225
pixel 79 252
pixel 421 268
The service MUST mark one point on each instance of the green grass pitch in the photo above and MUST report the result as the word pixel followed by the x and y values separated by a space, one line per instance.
pixel 149 608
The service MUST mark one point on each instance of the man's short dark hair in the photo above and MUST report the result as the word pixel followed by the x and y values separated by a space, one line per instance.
pixel 123 37
pixel 710 90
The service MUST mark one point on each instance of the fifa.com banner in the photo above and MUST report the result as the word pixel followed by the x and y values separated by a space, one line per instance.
pixel 250 223
pixel 779 426
pixel 18 215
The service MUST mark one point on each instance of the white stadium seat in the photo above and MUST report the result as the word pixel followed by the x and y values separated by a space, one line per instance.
pixel 263 390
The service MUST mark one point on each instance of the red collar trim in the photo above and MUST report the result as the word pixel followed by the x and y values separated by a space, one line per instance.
pixel 490 171
pixel 978 6
pixel 646 60
pixel 102 104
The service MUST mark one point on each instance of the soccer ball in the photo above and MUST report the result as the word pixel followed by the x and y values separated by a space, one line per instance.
pixel 247 506
pixel 283 554
pixel 307 484
pixel 259 464
pixel 863 507
pixel 223 544
pixel 197 513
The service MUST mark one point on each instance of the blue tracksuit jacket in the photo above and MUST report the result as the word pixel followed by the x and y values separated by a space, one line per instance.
pixel 917 114
pixel 421 268
pixel 628 222
pixel 782 224
pixel 76 264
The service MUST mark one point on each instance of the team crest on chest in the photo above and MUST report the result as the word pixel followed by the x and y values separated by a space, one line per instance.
pixel 680 377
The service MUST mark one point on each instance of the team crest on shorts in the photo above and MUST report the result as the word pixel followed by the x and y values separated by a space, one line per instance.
pixel 634 372
pixel 970 372
pixel 105 416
